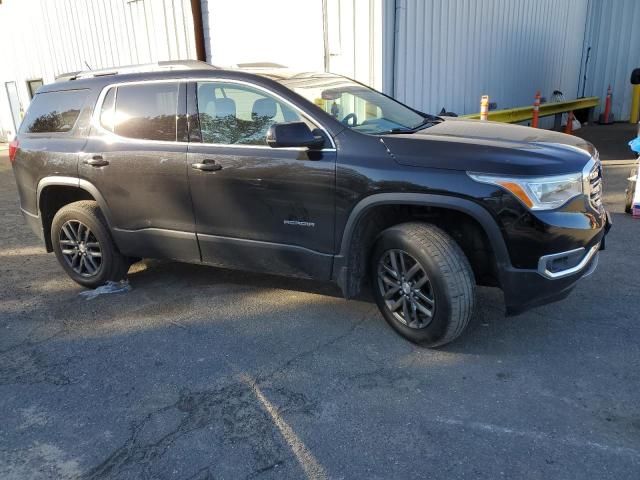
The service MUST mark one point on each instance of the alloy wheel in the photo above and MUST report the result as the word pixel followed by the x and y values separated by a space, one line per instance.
pixel 406 289
pixel 80 248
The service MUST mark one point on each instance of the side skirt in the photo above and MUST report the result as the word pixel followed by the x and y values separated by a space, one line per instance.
pixel 265 257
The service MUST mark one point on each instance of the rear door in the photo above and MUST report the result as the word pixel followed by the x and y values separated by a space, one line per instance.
pixel 256 207
pixel 136 158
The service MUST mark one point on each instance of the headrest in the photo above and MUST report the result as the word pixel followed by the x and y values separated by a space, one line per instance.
pixel 289 114
pixel 225 107
pixel 264 107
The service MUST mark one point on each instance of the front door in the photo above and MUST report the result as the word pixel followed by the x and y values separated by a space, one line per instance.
pixel 256 207
pixel 136 156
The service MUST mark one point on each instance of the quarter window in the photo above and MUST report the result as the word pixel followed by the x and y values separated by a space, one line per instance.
pixel 233 114
pixel 145 111
pixel 33 86
pixel 54 112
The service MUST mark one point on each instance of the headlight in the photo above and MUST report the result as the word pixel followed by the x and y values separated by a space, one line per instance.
pixel 537 193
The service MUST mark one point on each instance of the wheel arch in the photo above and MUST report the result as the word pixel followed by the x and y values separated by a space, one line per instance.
pixel 347 270
pixel 55 192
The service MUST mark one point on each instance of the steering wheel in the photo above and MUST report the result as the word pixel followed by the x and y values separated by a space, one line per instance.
pixel 350 120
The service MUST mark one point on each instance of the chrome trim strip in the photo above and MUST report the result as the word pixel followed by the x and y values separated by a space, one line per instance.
pixel 545 259
pixel 593 266
pixel 29 213
pixel 95 116
pixel 164 231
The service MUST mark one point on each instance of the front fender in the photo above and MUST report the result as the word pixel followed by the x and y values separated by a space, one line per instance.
pixel 475 211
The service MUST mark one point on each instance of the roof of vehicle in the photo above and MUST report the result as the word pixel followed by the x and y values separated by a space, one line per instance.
pixel 176 69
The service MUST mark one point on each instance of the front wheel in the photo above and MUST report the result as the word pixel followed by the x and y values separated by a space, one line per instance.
pixel 84 247
pixel 423 283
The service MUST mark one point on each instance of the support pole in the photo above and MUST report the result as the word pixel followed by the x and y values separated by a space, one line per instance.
pixel 484 107
pixel 198 30
pixel 536 110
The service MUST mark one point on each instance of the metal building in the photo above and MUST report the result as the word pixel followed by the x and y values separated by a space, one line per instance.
pixel 428 53
pixel 45 38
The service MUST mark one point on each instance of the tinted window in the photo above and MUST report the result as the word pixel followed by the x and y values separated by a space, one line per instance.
pixel 146 111
pixel 54 111
pixel 237 114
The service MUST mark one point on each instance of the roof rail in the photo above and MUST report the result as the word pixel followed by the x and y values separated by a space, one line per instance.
pixel 260 65
pixel 146 67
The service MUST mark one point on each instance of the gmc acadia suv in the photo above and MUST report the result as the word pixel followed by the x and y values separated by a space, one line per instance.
pixel 310 175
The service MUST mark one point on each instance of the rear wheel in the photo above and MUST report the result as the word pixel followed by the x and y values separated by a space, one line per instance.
pixel 84 247
pixel 423 283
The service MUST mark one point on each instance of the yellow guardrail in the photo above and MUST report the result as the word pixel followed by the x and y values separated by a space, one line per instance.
pixel 521 114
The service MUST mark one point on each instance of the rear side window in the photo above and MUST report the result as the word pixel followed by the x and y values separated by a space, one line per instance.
pixel 54 112
pixel 144 111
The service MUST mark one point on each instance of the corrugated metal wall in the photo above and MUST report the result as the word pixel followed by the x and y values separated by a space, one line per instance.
pixel 54 37
pixel 613 33
pixel 450 52
pixel 44 38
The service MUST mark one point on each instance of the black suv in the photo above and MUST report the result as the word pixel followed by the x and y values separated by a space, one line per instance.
pixel 310 175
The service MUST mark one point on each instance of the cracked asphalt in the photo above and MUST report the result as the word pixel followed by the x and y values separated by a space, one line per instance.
pixel 200 373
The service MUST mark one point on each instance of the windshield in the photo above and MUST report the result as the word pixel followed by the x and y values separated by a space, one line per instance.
pixel 357 106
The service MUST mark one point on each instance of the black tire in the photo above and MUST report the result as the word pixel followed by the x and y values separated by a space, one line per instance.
pixel 450 283
pixel 111 265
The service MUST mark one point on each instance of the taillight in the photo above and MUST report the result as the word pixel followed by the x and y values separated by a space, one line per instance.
pixel 13 149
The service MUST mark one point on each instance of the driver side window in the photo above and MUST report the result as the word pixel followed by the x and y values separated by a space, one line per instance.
pixel 233 114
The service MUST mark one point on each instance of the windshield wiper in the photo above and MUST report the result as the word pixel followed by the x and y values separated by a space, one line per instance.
pixel 427 122
pixel 396 130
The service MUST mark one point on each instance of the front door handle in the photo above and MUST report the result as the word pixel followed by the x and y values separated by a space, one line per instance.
pixel 96 161
pixel 207 166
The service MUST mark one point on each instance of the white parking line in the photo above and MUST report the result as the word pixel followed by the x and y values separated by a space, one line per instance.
pixel 308 462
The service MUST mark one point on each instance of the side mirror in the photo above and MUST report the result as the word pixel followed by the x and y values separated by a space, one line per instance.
pixel 292 134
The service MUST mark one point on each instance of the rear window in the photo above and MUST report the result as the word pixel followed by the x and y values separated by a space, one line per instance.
pixel 145 111
pixel 54 112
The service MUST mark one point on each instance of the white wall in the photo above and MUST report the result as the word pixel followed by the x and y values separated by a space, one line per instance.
pixel 355 33
pixel 291 33
pixel 44 38
pixel 288 32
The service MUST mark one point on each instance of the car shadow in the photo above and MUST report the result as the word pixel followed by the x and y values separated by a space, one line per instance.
pixel 149 272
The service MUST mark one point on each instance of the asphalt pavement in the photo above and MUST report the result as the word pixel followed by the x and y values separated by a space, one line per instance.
pixel 201 373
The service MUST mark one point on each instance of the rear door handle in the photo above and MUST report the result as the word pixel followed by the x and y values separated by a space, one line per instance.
pixel 207 166
pixel 96 161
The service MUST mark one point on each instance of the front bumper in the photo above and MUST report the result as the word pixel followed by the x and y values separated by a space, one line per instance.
pixel 525 289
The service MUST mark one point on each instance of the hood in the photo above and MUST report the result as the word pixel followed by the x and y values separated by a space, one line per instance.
pixel 490 147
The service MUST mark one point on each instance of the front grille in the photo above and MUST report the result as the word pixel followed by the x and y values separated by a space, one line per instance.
pixel 595 185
